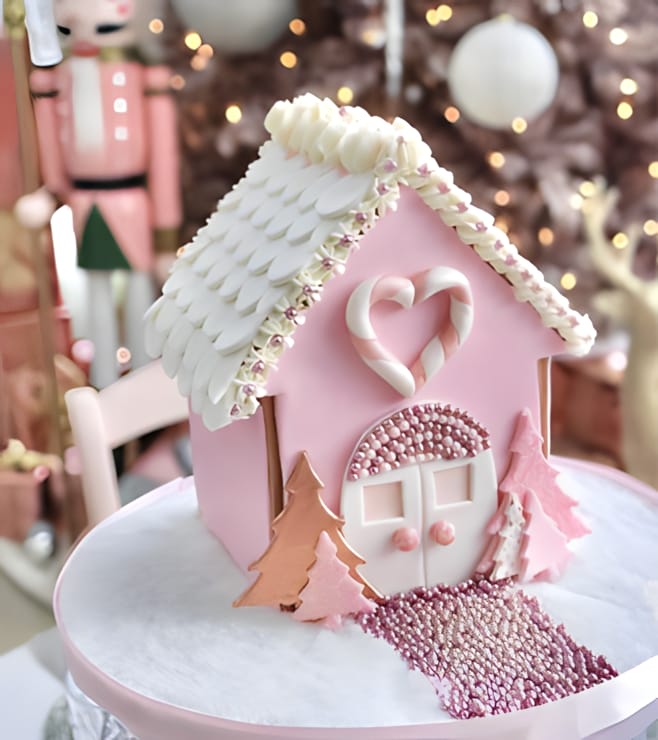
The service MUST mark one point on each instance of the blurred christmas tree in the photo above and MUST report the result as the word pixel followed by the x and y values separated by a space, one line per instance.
pixel 533 176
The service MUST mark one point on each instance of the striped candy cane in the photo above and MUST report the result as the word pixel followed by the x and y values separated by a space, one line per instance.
pixel 408 292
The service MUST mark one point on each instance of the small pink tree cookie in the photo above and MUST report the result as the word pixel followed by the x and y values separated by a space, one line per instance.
pixel 530 470
pixel 544 552
pixel 330 592
pixel 503 555
pixel 535 519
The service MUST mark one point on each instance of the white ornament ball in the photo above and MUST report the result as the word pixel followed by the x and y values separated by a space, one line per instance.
pixel 501 70
pixel 237 27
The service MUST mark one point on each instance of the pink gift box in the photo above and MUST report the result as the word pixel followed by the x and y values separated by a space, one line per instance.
pixel 20 503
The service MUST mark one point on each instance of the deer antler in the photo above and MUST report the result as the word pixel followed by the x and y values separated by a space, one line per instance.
pixel 635 302
pixel 616 265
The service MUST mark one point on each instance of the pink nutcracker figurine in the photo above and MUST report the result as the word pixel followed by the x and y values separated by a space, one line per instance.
pixel 107 137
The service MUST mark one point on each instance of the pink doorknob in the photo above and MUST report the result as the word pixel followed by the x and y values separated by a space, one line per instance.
pixel 406 539
pixel 442 532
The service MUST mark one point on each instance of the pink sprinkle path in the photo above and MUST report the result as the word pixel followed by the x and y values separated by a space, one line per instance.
pixel 487 648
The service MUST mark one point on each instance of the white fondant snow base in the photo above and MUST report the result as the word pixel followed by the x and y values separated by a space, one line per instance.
pixel 147 599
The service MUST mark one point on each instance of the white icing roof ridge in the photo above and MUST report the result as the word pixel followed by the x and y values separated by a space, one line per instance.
pixel 240 288
pixel 363 141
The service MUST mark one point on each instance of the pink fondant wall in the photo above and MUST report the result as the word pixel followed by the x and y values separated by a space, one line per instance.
pixel 230 475
pixel 327 397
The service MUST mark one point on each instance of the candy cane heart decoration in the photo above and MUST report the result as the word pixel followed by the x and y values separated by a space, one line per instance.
pixel 408 292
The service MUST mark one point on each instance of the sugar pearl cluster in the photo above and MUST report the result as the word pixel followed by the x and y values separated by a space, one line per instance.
pixel 487 648
pixel 422 432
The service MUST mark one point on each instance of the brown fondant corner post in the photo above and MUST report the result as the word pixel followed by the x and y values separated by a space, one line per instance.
pixel 274 476
pixel 544 375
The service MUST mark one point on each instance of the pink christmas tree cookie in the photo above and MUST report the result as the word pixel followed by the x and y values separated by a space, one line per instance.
pixel 530 470
pixel 544 552
pixel 331 592
pixel 283 567
pixel 535 519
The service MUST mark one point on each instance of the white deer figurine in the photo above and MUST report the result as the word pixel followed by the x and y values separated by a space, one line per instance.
pixel 634 302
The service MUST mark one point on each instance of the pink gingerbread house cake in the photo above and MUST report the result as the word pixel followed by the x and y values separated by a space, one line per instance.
pixel 347 301
pixel 366 359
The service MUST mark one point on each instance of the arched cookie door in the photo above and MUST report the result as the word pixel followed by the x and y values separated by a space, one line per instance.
pixel 420 490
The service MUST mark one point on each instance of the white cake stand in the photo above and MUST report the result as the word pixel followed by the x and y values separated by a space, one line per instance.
pixel 144 609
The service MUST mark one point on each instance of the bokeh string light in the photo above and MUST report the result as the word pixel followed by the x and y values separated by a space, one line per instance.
pixel 590 19
pixel 535 175
pixel 496 159
pixel 233 113
pixel 297 26
pixel 451 114
pixel 568 281
pixel 545 236
pixel 288 59
pixel 345 95
pixel 437 15
pixel 618 36
pixel 192 40
pixel 501 198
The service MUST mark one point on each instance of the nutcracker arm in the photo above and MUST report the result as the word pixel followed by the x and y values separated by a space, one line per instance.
pixel 164 157
pixel 44 95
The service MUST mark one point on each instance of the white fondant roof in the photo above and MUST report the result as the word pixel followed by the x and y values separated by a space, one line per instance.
pixel 237 292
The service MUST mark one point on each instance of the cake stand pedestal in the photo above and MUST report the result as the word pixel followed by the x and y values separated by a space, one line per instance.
pixel 144 610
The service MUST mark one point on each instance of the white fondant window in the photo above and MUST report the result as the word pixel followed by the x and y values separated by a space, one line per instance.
pixel 382 501
pixel 452 485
